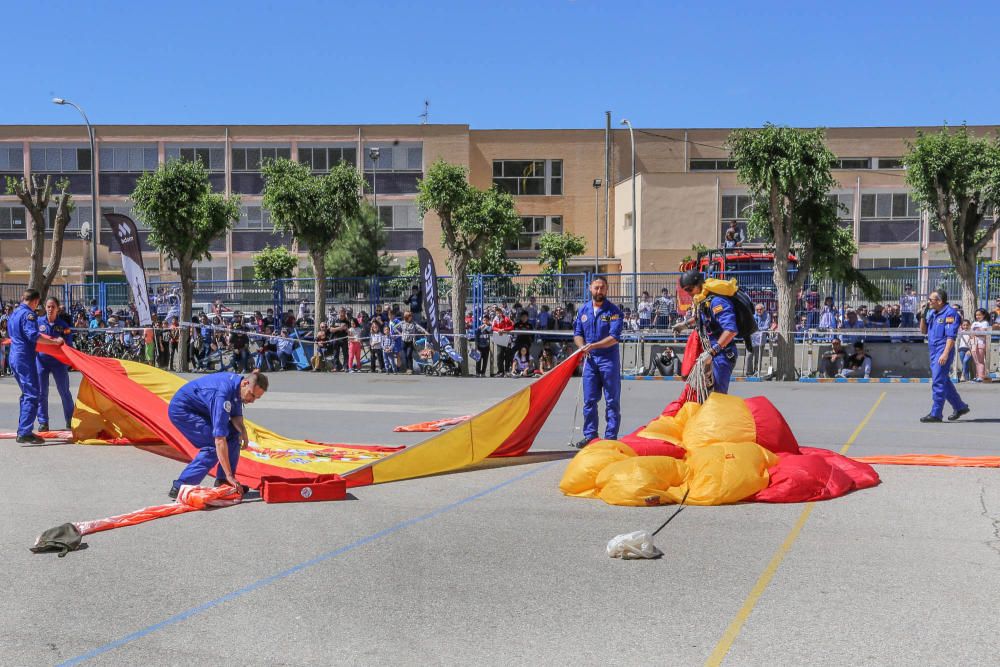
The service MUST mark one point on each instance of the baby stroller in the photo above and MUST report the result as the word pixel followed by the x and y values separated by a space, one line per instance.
pixel 446 362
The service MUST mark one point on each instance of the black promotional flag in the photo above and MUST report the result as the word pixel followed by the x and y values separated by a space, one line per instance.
pixel 428 286
pixel 125 232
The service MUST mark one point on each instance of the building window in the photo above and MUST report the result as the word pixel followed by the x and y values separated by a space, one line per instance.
pixel 399 167
pixel 528 177
pixel 60 158
pixel 11 158
pixel 735 208
pixel 128 158
pixel 254 218
pixel 852 163
pixel 212 157
pixel 12 219
pixel 207 271
pixel 845 210
pixel 628 220
pixel 712 165
pixel 886 262
pixel 889 217
pixel 400 216
pixel 79 215
pixel 251 158
pixel 324 158
pixel 890 163
pixel 532 227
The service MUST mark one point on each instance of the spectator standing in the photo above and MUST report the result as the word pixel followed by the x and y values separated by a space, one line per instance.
pixel 407 331
pixel 482 337
pixel 664 309
pixel 763 320
pixel 354 347
pixel 375 346
pixel 980 343
pixel 878 320
pixel 502 325
pixel 415 303
pixel 532 310
pixel 908 307
pixel 339 332
pixel 388 349
pixel 645 310
pixel 828 315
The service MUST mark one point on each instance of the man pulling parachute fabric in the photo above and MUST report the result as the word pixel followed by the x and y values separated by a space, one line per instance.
pixel 717 324
pixel 54 325
pixel 209 412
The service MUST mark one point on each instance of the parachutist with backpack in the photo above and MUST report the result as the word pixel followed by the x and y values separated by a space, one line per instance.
pixel 723 314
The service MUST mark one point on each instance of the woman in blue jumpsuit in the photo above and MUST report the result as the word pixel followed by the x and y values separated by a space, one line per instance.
pixel 22 327
pixel 209 412
pixel 940 322
pixel 55 325
pixel 597 331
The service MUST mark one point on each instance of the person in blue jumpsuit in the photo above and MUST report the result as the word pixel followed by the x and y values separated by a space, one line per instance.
pixel 209 413
pixel 597 332
pixel 22 327
pixel 717 319
pixel 56 325
pixel 941 322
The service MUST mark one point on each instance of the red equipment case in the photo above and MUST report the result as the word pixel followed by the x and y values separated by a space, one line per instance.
pixel 303 489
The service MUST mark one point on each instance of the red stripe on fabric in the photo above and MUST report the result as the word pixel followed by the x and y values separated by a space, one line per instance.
pixel 545 393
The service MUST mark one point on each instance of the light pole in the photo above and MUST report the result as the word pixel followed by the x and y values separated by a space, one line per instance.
pixel 635 224
pixel 597 226
pixel 96 215
pixel 373 153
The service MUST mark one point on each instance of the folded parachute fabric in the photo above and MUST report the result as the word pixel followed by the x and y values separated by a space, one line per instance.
pixel 431 426
pixel 726 450
pixel 126 402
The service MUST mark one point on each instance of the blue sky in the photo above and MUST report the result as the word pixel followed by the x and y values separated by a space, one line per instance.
pixel 504 65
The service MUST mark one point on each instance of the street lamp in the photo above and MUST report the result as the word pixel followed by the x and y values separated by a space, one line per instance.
pixel 635 270
pixel 597 220
pixel 93 189
pixel 373 153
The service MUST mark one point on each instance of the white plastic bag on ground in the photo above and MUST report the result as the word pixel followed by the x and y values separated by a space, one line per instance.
pixel 633 545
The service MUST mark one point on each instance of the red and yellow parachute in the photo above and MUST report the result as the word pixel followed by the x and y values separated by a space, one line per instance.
pixel 122 402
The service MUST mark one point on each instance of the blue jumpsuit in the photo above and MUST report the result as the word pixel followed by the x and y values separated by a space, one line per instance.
pixel 22 327
pixel 201 410
pixel 602 368
pixel 47 364
pixel 942 326
pixel 717 315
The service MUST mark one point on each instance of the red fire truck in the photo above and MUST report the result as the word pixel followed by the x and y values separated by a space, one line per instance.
pixel 752 268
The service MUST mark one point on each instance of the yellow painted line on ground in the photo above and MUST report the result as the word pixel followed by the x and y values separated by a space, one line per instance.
pixel 733 631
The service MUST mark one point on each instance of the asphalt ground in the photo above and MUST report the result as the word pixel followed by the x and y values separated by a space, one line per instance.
pixel 495 565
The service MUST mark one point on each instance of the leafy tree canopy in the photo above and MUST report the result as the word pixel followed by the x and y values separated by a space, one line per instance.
pixel 274 263
pixel 359 249
pixel 555 250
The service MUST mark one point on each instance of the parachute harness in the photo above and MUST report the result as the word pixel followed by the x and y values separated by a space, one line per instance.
pixel 701 378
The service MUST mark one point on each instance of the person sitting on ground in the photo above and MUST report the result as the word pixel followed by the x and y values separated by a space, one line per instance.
pixel 832 361
pixel 546 362
pixel 521 366
pixel 284 346
pixel 667 362
pixel 857 364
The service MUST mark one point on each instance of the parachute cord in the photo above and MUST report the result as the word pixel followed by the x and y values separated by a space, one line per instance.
pixel 701 379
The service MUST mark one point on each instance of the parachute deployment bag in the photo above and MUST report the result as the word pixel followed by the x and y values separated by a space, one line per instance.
pixel 64 538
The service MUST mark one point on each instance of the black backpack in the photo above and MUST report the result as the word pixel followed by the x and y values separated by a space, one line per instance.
pixel 746 325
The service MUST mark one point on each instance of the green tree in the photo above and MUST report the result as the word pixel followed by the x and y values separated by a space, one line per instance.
pixel 494 260
pixel 956 178
pixel 184 217
pixel 555 251
pixel 470 219
pixel 35 197
pixel 315 209
pixel 274 263
pixel 788 175
pixel 359 250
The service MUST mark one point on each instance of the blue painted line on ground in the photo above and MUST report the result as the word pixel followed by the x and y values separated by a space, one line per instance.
pixel 284 574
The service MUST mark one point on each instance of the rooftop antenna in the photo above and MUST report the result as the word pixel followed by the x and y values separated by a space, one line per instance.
pixel 425 116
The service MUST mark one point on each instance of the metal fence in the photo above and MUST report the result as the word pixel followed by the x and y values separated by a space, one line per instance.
pixel 369 294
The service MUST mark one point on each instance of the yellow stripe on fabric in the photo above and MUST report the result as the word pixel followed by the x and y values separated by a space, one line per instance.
pixel 733 631
pixel 465 444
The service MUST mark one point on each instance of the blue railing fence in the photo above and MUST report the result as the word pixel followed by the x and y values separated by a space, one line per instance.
pixel 372 293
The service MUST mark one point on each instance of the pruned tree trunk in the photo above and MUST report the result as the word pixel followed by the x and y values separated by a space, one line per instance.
pixel 186 271
pixel 319 288
pixel 459 292
pixel 787 290
pixel 35 198
pixel 966 270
